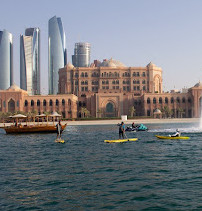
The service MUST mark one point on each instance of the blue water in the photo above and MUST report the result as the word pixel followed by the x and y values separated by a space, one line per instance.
pixel 87 174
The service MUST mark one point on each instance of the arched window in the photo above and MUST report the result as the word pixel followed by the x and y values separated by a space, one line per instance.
pixel 183 100
pixel 178 100
pixel 82 82
pixel 26 103
pixel 189 100
pixel 44 102
pixel 50 103
pixel 160 100
pixel 82 74
pixel 38 102
pixel 134 81
pixel 63 102
pixel 143 82
pixel 86 82
pixel 57 102
pixel 166 100
pixel 69 102
pixel 134 74
pixel 172 100
pixel 32 103
pixel 148 100
pixel 154 100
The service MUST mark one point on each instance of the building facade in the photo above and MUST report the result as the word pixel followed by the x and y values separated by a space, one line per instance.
pixel 6 59
pixel 15 99
pixel 81 57
pixel 57 53
pixel 30 61
pixel 111 90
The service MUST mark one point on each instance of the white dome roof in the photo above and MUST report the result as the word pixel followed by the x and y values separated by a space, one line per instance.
pixel 70 65
pixel 14 87
pixel 111 63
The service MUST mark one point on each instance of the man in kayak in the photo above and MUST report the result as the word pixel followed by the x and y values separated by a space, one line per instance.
pixel 177 134
pixel 122 130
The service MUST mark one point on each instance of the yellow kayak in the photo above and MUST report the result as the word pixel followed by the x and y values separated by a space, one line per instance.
pixel 120 140
pixel 168 137
pixel 59 140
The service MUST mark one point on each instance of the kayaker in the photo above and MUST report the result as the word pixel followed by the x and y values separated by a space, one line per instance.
pixel 59 129
pixel 122 130
pixel 133 125
pixel 177 134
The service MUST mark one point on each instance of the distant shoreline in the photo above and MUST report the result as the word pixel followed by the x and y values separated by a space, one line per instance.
pixel 116 121
pixel 130 121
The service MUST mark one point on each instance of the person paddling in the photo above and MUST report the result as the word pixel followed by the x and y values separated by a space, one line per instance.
pixel 177 134
pixel 59 129
pixel 122 130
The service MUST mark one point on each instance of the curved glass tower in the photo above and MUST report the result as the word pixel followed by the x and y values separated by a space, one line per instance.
pixel 81 57
pixel 30 61
pixel 6 59
pixel 57 55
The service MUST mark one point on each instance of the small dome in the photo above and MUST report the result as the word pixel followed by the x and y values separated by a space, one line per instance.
pixel 157 111
pixel 14 87
pixel 151 65
pixel 111 63
pixel 70 65
pixel 199 84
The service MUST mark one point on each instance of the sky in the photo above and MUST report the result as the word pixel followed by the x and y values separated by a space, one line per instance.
pixel 167 33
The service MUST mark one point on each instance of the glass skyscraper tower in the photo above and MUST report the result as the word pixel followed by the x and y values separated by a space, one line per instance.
pixel 57 53
pixel 30 61
pixel 81 57
pixel 6 59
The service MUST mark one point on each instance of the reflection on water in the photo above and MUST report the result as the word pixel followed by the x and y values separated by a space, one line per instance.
pixel 87 174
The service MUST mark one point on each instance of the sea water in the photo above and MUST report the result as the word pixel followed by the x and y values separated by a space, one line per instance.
pixel 87 174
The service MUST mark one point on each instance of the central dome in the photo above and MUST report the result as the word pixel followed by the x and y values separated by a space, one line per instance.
pixel 111 63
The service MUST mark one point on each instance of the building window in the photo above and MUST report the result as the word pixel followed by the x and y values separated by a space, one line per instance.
pixel 166 100
pixel 50 103
pixel 154 100
pixel 17 103
pixel 160 100
pixel 172 100
pixel 117 87
pixel 143 82
pixel 63 102
pixel 57 102
pixel 134 88
pixel 178 100
pixel 32 103
pixel 44 103
pixel 183 100
pixel 38 102
pixel 144 88
pixel 148 100
pixel 26 103
pixel 138 88
pixel 143 74
pixel 86 89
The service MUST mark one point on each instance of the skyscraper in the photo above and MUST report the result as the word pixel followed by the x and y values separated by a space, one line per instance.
pixel 6 59
pixel 30 61
pixel 81 57
pixel 57 53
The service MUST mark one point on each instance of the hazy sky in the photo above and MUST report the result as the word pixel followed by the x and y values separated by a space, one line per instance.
pixel 135 32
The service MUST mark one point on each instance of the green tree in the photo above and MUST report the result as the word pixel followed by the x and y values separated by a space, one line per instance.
pixel 84 112
pixel 132 111
pixel 180 112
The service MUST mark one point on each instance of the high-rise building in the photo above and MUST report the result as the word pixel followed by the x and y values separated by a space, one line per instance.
pixel 6 59
pixel 57 53
pixel 81 57
pixel 30 61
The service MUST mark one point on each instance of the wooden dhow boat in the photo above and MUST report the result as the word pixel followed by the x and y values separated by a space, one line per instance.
pixel 35 127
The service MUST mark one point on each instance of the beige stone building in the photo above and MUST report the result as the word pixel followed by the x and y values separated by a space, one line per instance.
pixel 111 89
pixel 16 99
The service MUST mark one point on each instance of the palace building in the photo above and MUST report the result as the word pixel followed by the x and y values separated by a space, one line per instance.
pixel 110 89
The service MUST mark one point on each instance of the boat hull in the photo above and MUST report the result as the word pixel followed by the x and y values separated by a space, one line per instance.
pixel 120 140
pixel 32 129
pixel 168 137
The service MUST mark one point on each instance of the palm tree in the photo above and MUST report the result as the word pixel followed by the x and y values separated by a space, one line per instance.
pixel 180 111
pixel 84 112
pixel 99 113
pixel 132 111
